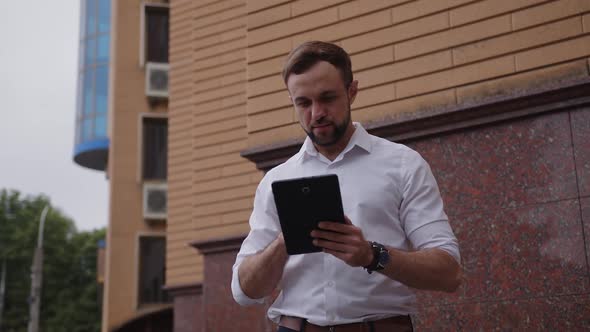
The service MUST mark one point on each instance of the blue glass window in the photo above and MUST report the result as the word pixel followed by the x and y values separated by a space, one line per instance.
pixel 92 104
pixel 103 49
pixel 78 134
pixel 101 87
pixel 88 92
pixel 100 126
pixel 89 51
pixel 79 94
pixel 87 129
pixel 90 17
pixel 104 16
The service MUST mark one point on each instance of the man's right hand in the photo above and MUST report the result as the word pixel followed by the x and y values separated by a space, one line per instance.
pixel 344 241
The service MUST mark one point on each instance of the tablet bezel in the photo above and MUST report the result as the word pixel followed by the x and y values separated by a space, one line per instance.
pixel 301 204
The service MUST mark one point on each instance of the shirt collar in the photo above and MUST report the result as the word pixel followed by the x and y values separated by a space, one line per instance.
pixel 360 138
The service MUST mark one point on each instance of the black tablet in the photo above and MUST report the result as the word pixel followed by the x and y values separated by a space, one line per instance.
pixel 301 204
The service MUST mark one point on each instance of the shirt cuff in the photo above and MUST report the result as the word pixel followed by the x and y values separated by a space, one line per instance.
pixel 239 296
pixel 438 235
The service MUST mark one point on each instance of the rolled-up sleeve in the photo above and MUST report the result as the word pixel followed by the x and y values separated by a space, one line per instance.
pixel 264 228
pixel 422 211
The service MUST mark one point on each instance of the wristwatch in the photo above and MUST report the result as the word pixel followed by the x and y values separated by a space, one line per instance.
pixel 380 257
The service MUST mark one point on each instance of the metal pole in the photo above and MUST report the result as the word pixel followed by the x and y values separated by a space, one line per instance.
pixel 37 277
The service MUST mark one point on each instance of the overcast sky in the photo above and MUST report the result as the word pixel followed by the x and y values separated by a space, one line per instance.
pixel 38 63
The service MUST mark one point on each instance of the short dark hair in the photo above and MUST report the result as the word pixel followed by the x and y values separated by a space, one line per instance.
pixel 309 53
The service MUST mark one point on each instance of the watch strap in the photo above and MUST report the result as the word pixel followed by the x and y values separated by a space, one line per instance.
pixel 378 251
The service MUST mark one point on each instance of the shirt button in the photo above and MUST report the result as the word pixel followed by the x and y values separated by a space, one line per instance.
pixel 330 284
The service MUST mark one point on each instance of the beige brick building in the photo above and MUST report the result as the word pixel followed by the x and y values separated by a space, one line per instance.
pixel 493 93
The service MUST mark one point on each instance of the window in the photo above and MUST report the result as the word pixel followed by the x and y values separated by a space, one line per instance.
pixel 101 90
pixel 156 32
pixel 93 74
pixel 155 148
pixel 104 16
pixel 152 269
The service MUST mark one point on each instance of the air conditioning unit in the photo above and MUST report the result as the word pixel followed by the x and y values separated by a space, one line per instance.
pixel 156 79
pixel 155 197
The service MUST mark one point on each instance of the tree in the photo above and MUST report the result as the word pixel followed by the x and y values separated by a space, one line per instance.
pixel 69 299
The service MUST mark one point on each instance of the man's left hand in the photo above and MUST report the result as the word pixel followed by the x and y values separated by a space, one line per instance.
pixel 344 241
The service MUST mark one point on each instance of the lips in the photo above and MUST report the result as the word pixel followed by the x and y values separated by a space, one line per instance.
pixel 321 125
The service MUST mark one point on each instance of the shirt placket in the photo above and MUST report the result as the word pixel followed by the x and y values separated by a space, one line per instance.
pixel 330 290
pixel 330 284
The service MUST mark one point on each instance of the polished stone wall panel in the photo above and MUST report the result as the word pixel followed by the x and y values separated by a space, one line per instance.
pixel 528 251
pixel 503 166
pixel 585 208
pixel 511 194
pixel 564 313
pixel 222 313
pixel 580 122
pixel 188 313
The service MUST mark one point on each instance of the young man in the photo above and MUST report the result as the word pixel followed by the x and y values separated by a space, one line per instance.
pixel 395 223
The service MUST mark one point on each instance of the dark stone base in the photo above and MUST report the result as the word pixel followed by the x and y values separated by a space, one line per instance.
pixel 188 308
pixel 221 312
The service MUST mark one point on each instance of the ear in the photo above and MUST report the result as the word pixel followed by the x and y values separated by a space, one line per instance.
pixel 352 91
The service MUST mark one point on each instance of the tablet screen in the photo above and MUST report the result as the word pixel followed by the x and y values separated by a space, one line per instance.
pixel 301 204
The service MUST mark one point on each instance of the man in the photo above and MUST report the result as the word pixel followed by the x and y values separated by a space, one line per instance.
pixel 395 223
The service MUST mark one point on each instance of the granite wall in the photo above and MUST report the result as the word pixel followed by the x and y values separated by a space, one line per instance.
pixel 517 194
pixel 518 197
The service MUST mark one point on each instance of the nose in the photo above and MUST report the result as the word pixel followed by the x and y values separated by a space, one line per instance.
pixel 317 112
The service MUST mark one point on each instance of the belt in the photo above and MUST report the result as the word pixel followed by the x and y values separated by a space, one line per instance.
pixel 396 323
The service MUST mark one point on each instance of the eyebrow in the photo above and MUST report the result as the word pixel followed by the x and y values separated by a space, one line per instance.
pixel 327 93
pixel 300 99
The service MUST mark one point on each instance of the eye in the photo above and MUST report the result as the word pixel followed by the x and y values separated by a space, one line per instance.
pixel 327 99
pixel 303 103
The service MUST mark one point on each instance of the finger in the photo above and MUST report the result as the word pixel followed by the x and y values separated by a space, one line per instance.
pixel 336 227
pixel 334 246
pixel 347 220
pixel 332 236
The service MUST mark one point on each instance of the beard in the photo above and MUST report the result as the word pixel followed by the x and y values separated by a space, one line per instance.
pixel 339 129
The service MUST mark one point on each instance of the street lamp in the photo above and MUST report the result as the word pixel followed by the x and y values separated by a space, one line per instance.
pixel 37 277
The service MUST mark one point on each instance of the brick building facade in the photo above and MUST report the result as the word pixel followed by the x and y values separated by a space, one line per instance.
pixel 494 94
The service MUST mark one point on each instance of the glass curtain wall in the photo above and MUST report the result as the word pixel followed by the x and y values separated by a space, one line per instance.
pixel 93 74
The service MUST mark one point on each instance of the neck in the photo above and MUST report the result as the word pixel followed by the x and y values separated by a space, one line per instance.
pixel 332 151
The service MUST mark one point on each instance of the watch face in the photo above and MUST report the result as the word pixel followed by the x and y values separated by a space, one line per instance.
pixel 380 257
pixel 383 258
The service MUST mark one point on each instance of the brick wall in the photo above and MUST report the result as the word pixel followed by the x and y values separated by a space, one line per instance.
pixel 210 185
pixel 410 55
pixel 127 104
pixel 180 146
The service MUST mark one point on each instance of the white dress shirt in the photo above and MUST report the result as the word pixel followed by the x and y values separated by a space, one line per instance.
pixel 388 191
